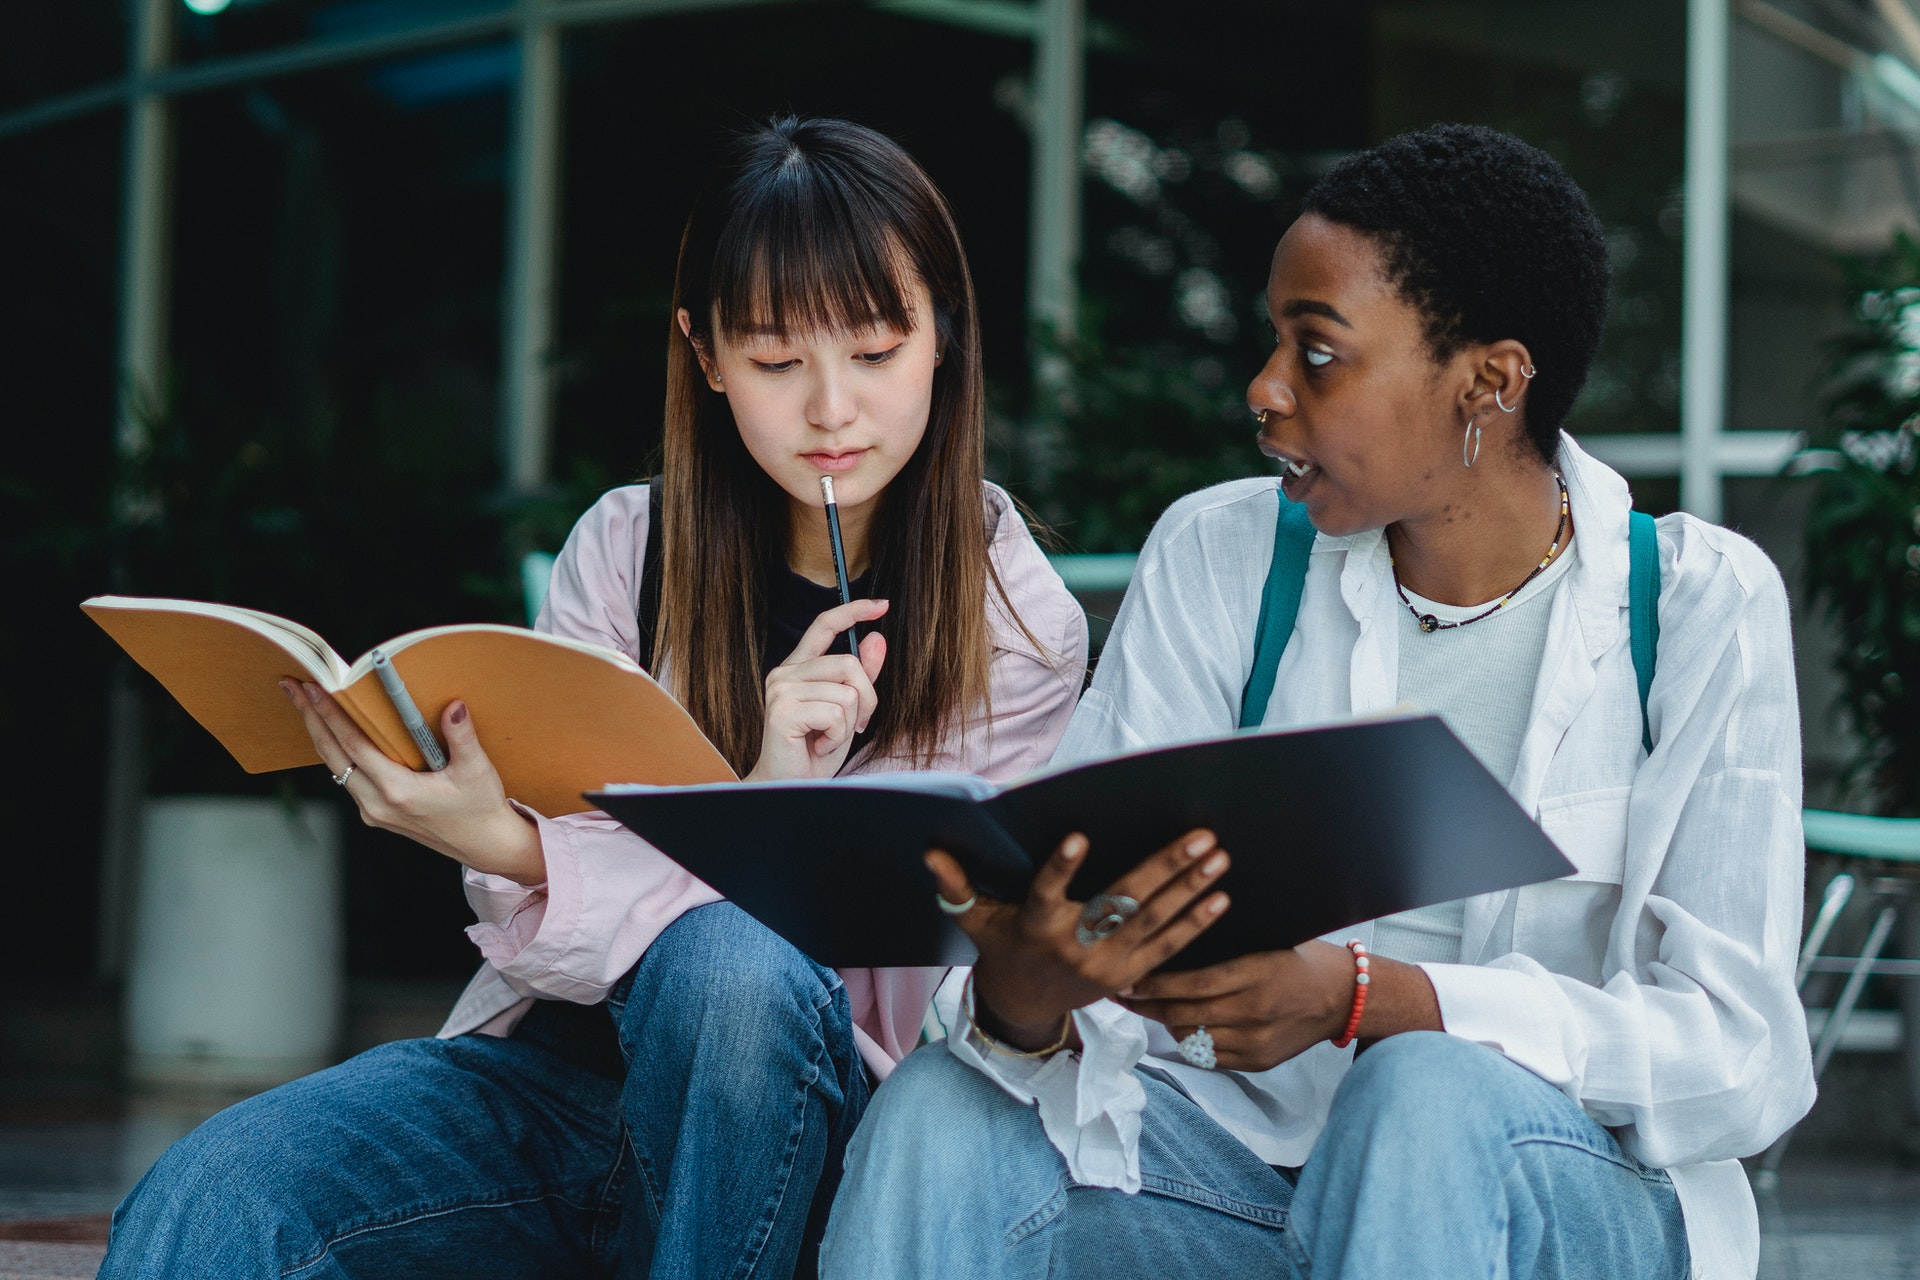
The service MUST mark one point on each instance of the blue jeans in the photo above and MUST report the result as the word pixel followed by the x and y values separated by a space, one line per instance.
pixel 686 1135
pixel 1441 1158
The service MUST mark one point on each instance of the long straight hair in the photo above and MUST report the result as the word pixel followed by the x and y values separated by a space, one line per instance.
pixel 812 226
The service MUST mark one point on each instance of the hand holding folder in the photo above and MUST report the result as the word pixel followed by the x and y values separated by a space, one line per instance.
pixel 1326 826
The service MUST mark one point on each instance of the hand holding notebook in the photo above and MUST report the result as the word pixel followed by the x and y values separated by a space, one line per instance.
pixel 1326 827
pixel 559 715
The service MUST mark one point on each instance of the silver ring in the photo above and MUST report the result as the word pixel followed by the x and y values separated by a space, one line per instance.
pixel 955 908
pixel 340 779
pixel 1100 917
pixel 1198 1049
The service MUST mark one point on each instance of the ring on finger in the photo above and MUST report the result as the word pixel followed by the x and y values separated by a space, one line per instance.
pixel 1101 916
pixel 954 908
pixel 1197 1048
pixel 340 779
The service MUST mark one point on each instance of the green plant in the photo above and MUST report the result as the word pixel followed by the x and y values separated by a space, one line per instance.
pixel 392 526
pixel 1863 528
pixel 1120 435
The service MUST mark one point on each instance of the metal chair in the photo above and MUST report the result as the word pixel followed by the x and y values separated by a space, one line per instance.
pixel 1884 853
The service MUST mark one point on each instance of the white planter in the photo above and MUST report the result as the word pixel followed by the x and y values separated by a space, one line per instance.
pixel 237 970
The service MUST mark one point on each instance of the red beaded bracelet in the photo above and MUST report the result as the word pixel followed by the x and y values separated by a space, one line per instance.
pixel 1361 981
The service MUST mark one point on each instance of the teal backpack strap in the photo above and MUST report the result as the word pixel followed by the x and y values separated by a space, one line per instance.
pixel 1643 608
pixel 1279 606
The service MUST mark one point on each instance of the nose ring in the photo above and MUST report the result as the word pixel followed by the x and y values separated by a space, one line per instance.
pixel 1260 416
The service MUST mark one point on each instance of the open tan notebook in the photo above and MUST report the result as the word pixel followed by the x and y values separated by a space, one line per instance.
pixel 557 716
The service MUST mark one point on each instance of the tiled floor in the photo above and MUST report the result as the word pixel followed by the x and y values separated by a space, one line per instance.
pixel 1848 1203
pixel 1833 1219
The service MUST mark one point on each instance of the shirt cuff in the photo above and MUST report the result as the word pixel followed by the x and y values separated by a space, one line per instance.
pixel 510 913
pixel 1514 1012
pixel 1090 1103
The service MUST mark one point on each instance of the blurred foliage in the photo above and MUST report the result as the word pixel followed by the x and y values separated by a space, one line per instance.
pixel 1863 527
pixel 1189 189
pixel 1148 400
pixel 207 504
pixel 1600 89
pixel 1124 434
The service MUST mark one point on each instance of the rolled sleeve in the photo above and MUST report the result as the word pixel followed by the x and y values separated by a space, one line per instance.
pixel 1517 1012
pixel 608 895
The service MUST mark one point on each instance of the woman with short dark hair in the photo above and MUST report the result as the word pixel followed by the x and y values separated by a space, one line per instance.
pixel 1556 1080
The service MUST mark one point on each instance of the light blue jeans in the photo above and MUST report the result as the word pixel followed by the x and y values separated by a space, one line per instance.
pixel 691 1126
pixel 1441 1158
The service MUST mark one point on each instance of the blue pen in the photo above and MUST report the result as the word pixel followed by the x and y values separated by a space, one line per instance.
pixel 839 556
pixel 409 714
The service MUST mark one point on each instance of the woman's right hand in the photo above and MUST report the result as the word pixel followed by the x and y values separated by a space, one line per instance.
pixel 820 697
pixel 1033 969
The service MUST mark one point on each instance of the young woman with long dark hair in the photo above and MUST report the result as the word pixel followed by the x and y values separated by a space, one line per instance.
pixel 642 1080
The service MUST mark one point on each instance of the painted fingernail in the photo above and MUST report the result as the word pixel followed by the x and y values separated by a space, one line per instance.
pixel 459 715
pixel 1214 865
pixel 313 691
pixel 1073 848
pixel 1218 905
pixel 1199 844
pixel 286 687
pixel 1124 991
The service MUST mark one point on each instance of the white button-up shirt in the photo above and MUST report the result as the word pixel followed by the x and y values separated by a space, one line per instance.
pixel 1654 986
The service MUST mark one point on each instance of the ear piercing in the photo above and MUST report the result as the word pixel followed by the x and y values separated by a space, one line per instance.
pixel 1526 371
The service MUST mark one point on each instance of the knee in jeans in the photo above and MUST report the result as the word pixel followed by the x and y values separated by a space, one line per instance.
pixel 1429 1078
pixel 222 1172
pixel 719 968
pixel 942 1111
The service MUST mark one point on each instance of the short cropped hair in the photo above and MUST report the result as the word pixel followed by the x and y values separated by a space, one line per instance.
pixel 1488 238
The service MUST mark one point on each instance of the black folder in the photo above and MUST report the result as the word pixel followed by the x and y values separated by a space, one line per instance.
pixel 1327 827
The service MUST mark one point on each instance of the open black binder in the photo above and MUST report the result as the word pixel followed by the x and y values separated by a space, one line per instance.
pixel 1327 827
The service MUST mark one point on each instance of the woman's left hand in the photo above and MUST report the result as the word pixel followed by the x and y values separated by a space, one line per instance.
pixel 1263 1009
pixel 461 811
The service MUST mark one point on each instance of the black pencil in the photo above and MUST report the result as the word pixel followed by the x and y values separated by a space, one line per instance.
pixel 839 556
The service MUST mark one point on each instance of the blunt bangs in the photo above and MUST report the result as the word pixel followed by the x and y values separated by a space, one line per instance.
pixel 824 226
pixel 809 249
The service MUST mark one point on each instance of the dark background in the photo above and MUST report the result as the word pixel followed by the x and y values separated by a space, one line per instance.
pixel 327 449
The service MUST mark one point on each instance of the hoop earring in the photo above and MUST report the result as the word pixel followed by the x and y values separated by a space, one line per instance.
pixel 1472 434
pixel 1527 371
pixel 1503 407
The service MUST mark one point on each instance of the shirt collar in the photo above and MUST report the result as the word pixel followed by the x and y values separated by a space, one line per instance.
pixel 1600 501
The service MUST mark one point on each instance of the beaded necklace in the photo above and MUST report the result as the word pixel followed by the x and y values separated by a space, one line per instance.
pixel 1430 624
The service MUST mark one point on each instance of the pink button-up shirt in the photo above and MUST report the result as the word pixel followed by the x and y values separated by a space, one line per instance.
pixel 609 894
